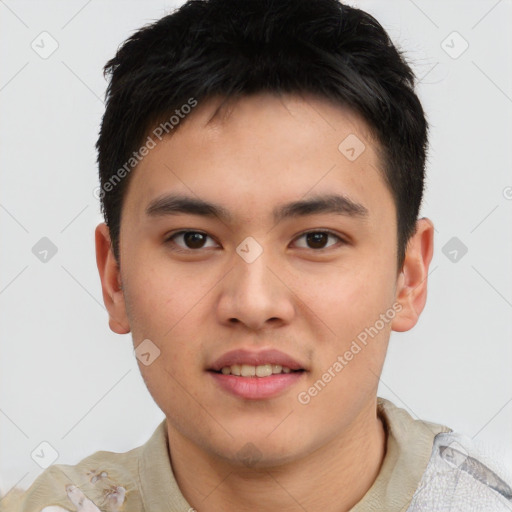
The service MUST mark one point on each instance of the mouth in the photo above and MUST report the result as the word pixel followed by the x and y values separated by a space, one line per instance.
pixel 256 375
pixel 261 371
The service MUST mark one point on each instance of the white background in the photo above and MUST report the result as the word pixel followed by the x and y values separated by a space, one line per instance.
pixel 67 379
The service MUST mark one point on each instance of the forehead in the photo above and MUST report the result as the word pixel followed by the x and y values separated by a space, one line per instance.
pixel 261 150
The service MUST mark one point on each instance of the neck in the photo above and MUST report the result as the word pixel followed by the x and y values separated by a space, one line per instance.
pixel 332 478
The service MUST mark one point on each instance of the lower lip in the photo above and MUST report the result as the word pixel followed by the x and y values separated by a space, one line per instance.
pixel 256 388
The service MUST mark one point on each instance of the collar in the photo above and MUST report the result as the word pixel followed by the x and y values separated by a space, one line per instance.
pixel 409 445
pixel 408 450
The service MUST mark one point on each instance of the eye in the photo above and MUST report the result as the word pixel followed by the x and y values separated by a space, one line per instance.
pixel 318 239
pixel 191 239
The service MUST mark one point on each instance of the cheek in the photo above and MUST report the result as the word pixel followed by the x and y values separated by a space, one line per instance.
pixel 162 304
pixel 159 296
pixel 348 306
pixel 162 315
pixel 348 300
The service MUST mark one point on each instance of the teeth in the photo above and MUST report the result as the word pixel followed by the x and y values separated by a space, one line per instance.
pixel 264 370
pixel 247 370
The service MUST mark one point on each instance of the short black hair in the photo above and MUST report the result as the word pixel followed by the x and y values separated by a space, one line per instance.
pixel 234 48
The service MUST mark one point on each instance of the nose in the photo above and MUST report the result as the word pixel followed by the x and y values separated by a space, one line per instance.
pixel 256 295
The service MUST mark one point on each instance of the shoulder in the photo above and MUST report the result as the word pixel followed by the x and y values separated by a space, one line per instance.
pixel 446 470
pixel 101 481
pixel 462 476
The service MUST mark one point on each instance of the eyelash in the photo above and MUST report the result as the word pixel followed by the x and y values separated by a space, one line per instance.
pixel 169 239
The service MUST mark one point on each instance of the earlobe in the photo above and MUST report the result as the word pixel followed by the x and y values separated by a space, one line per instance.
pixel 110 275
pixel 411 291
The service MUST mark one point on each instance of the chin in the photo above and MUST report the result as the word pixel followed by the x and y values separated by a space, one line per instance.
pixel 258 452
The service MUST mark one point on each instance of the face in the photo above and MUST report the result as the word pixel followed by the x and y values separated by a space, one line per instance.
pixel 291 264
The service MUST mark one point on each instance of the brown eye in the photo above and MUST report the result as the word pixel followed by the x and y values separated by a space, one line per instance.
pixel 318 239
pixel 192 240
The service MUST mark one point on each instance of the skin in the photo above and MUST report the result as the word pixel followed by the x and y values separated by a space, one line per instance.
pixel 311 303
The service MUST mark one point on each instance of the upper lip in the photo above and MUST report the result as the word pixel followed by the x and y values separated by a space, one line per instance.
pixel 270 356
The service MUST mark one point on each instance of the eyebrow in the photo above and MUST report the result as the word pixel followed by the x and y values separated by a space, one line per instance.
pixel 175 204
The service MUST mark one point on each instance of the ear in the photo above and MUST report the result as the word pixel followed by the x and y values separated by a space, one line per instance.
pixel 411 292
pixel 110 275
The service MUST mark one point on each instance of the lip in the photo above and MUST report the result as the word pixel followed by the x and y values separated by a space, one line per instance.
pixel 256 388
pixel 270 356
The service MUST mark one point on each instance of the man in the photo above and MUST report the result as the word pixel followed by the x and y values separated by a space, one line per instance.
pixel 262 169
